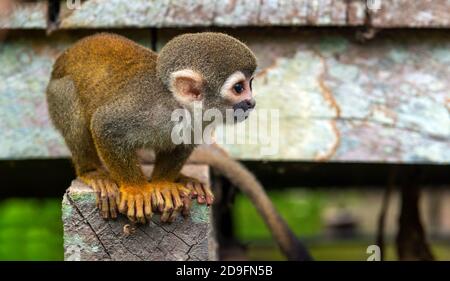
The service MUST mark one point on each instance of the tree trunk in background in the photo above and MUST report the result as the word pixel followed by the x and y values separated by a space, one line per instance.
pixel 411 240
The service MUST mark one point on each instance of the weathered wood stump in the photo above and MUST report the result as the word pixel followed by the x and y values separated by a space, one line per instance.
pixel 89 237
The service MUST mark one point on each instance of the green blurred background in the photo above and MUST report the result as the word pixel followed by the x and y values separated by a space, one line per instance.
pixel 31 229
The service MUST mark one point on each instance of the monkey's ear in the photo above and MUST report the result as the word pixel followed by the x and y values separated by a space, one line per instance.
pixel 187 86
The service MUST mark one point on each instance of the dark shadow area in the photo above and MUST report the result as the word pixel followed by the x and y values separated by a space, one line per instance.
pixel 35 178
pixel 345 175
pixel 50 177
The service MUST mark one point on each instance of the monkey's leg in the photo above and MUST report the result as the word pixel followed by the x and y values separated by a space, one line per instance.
pixel 67 116
pixel 176 197
pixel 134 198
pixel 198 189
pixel 106 190
pixel 89 170
pixel 111 127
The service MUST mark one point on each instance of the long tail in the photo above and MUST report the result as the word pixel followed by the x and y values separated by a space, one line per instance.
pixel 249 185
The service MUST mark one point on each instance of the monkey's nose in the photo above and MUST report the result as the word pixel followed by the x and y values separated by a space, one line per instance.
pixel 251 103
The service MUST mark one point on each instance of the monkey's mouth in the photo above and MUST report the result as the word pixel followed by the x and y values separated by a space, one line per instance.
pixel 241 110
pixel 241 115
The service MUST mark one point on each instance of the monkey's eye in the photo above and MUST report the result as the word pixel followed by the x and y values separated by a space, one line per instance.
pixel 238 88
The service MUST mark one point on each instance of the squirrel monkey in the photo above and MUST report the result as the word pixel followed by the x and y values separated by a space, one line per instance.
pixel 110 97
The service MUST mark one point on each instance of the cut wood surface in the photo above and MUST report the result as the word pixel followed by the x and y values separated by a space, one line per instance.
pixel 89 237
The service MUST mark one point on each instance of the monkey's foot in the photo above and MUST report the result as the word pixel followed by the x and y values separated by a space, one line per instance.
pixel 198 189
pixel 170 198
pixel 106 190
pixel 135 202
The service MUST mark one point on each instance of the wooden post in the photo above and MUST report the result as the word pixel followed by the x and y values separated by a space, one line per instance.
pixel 89 237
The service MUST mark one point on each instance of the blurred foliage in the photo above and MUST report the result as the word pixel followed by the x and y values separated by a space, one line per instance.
pixel 302 211
pixel 354 250
pixel 31 229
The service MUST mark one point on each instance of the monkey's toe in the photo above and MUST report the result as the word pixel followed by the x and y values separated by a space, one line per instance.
pixel 135 202
pixel 198 190
pixel 168 199
pixel 106 190
pixel 187 202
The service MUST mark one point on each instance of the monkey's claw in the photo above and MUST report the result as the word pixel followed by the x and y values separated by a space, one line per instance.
pixel 106 190
pixel 198 189
pixel 135 202
pixel 169 198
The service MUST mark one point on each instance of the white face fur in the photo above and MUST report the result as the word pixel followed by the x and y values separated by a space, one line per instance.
pixel 187 87
pixel 236 88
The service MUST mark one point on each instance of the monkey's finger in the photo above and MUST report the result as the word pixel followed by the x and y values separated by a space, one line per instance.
pixel 187 202
pixel 177 205
pixel 113 208
pixel 168 206
pixel 201 194
pixel 148 208
pixel 131 208
pixel 104 200
pixel 167 197
pixel 140 209
pixel 154 202
pixel 97 191
pixel 173 216
pixel 165 216
pixel 117 194
pixel 158 201
pixel 123 203
pixel 184 191
pixel 112 199
pixel 113 192
pixel 190 186
pixel 208 194
pixel 176 199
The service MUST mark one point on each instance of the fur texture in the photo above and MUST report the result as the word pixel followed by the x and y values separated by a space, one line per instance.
pixel 109 97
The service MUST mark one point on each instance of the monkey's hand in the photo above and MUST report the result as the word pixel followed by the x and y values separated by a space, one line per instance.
pixel 135 201
pixel 106 190
pixel 170 198
pixel 198 190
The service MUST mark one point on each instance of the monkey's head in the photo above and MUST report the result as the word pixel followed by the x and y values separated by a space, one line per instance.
pixel 212 69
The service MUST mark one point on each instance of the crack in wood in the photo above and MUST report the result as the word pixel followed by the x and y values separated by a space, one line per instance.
pixel 154 241
pixel 171 232
pixel 88 224
pixel 119 239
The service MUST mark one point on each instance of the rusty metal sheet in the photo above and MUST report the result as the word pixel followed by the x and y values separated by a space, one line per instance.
pixel 23 14
pixel 383 101
pixel 187 13
pixel 26 60
pixel 405 13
